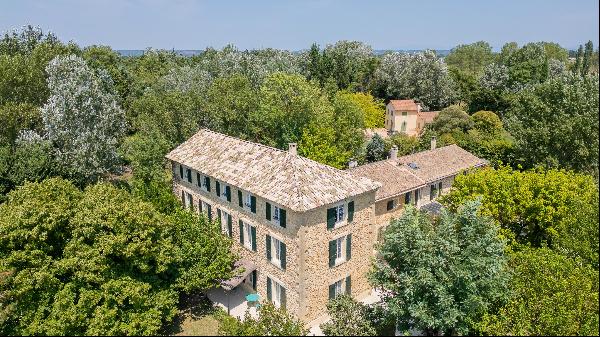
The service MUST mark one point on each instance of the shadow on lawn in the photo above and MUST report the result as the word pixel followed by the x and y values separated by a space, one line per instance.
pixel 191 307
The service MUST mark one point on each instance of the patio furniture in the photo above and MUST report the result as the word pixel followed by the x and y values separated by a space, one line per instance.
pixel 253 300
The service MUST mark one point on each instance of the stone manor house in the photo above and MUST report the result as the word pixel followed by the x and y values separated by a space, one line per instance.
pixel 305 231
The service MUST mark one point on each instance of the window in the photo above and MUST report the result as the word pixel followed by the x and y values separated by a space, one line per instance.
pixel 205 208
pixel 188 200
pixel 440 188
pixel 248 236
pixel 403 127
pixel 226 223
pixel 340 250
pixel 407 198
pixel 278 294
pixel 188 174
pixel 433 192
pixel 339 214
pixel 206 184
pixel 248 202
pixel 276 258
pixel 343 286
pixel 404 113
pixel 339 258
pixel 276 214
pixel 390 205
pixel 417 196
pixel 338 288
pixel 198 179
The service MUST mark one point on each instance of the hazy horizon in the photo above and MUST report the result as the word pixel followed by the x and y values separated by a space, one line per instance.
pixel 384 25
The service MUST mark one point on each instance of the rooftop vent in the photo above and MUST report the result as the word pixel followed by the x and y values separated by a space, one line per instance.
pixel 413 166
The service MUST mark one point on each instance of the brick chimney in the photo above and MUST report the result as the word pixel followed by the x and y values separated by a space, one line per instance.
pixel 394 152
pixel 433 143
pixel 293 148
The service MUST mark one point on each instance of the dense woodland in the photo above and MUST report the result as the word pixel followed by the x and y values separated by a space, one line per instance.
pixel 92 241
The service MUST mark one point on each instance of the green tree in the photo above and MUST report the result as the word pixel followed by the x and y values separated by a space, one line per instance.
pixel 288 103
pixel 230 103
pixel 271 321
pixel 555 124
pixel 348 318
pixel 587 58
pixel 441 275
pixel 551 295
pixel 420 76
pixel 82 119
pixel 450 119
pixel 24 55
pixel 103 57
pixel 375 149
pixel 470 58
pixel 542 207
pixel 14 118
pixel 99 261
pixel 373 109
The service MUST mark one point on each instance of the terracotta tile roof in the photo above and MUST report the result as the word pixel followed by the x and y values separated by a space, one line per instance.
pixel 404 104
pixel 288 180
pixel 393 178
pixel 413 171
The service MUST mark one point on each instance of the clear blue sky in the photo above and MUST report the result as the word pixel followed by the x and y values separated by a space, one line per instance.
pixel 294 25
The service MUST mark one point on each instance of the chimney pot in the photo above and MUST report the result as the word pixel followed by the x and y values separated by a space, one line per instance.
pixel 394 152
pixel 433 143
pixel 293 148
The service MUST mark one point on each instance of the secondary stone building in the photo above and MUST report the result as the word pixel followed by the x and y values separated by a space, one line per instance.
pixel 304 231
pixel 417 179
pixel 406 116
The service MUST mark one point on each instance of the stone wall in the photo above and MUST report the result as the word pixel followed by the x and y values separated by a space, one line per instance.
pixel 316 275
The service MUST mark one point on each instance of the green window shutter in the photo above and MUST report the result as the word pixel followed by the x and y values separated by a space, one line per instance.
pixel 219 215
pixel 330 218
pixel 350 211
pixel 183 198
pixel 200 205
pixel 268 246
pixel 228 193
pixel 254 275
pixel 283 256
pixel 332 252
pixel 181 171
pixel 253 204
pixel 189 175
pixel 269 296
pixel 268 211
pixel 209 212
pixel 198 180
pixel 240 200
pixel 283 298
pixel 253 233
pixel 207 182
pixel 218 188
pixel 241 232
pixel 229 226
pixel 348 247
pixel 332 291
pixel 348 285
pixel 282 218
pixel 407 198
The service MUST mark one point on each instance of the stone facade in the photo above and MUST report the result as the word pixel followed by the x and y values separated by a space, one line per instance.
pixel 307 274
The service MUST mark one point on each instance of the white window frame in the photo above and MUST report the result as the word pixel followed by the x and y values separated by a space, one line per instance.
pixel 204 207
pixel 276 251
pixel 188 200
pixel 276 215
pixel 340 254
pixel 248 201
pixel 204 186
pixel 340 220
pixel 224 220
pixel 247 234
pixel 339 288
pixel 276 294
pixel 223 186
